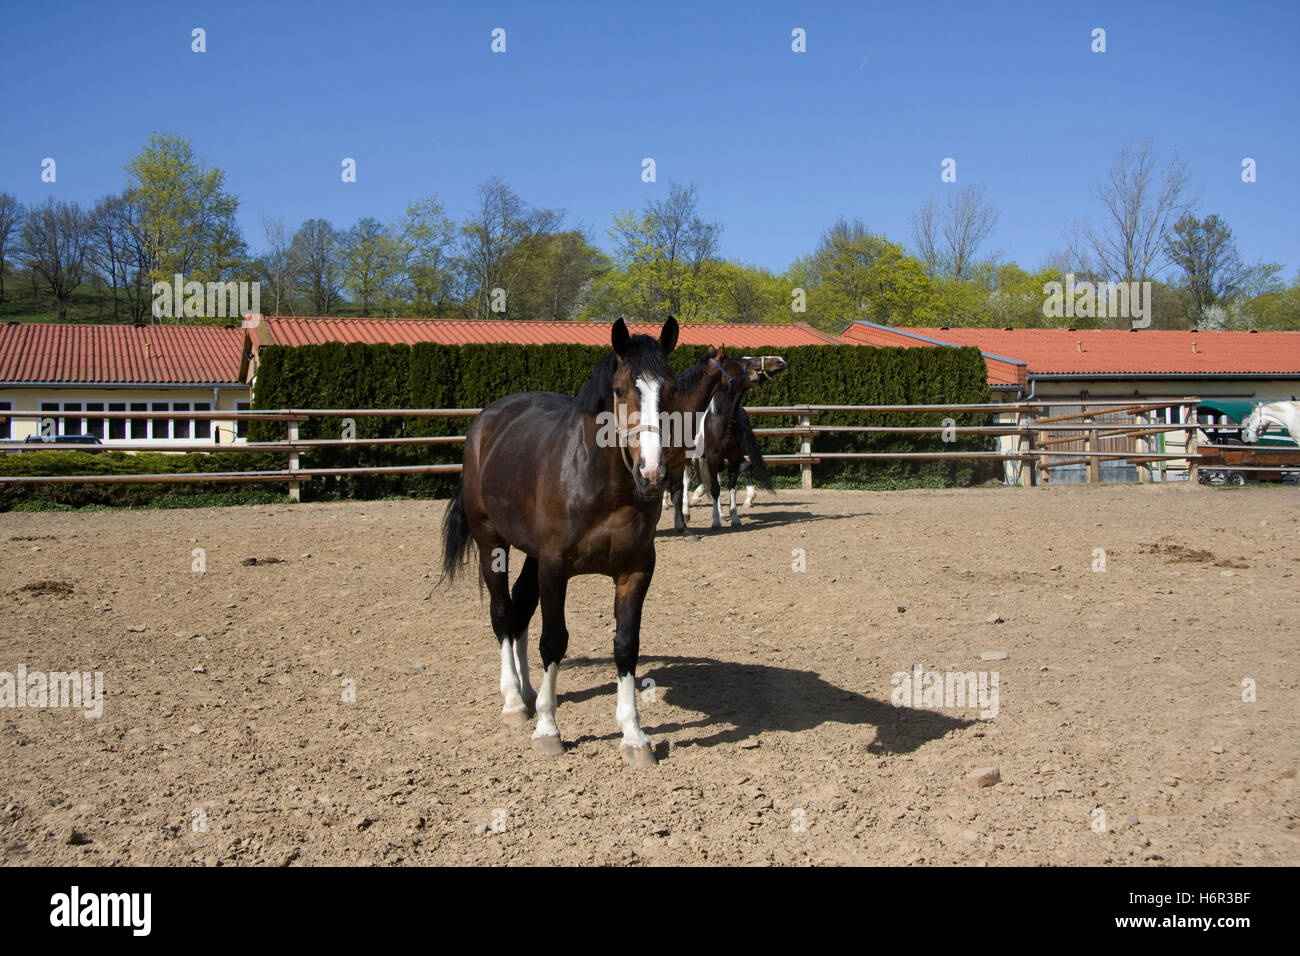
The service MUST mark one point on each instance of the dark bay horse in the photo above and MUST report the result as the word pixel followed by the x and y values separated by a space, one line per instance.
pixel 576 485
pixel 721 441
pixel 698 389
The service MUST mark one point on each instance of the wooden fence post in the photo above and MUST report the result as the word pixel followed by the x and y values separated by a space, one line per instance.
pixel 1090 444
pixel 1193 472
pixel 1027 421
pixel 805 448
pixel 1143 448
pixel 295 487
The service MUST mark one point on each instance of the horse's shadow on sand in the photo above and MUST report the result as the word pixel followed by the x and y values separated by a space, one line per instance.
pixel 751 520
pixel 737 702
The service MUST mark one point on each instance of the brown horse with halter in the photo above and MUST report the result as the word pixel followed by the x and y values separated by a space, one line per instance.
pixel 576 485
pixel 724 438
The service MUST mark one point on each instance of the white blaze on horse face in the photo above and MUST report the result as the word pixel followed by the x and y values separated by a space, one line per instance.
pixel 649 440
pixel 629 721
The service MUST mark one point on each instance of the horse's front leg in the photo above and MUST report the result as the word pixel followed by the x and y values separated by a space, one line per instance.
pixel 552 585
pixel 629 595
pixel 676 493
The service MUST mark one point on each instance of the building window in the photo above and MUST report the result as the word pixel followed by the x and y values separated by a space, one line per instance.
pixel 139 426
pixel 241 426
pixel 161 426
pixel 202 427
pixel 71 426
pixel 4 420
pixel 95 426
pixel 117 426
pixel 181 426
pixel 167 421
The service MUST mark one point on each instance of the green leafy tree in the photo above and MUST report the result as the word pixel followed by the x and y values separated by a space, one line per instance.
pixel 663 255
pixel 184 217
pixel 427 248
pixel 1203 251
pixel 855 274
pixel 371 265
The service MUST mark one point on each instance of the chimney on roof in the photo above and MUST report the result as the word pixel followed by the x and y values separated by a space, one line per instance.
pixel 1078 344
pixel 1193 346
pixel 146 350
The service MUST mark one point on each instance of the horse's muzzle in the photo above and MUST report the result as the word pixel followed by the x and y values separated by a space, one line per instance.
pixel 652 486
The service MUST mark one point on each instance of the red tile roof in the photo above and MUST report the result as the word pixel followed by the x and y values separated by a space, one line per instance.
pixel 1002 370
pixel 1109 351
pixel 286 330
pixel 119 354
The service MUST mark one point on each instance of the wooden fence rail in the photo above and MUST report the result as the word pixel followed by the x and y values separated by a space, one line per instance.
pixel 1028 426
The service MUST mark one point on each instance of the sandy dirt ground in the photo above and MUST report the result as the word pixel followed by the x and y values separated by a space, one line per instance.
pixel 1129 622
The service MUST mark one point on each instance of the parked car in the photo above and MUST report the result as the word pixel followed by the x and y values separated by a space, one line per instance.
pixel 65 440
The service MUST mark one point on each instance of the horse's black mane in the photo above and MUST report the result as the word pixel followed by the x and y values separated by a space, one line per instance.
pixel 643 353
pixel 687 381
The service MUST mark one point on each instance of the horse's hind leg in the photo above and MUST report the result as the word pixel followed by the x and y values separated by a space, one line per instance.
pixel 552 585
pixel 747 472
pixel 629 595
pixel 523 602
pixel 494 561
pixel 732 474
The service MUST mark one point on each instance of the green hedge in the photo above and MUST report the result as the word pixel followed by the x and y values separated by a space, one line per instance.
pixel 429 375
pixel 120 463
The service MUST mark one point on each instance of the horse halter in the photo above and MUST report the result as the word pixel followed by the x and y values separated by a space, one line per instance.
pixel 731 379
pixel 625 435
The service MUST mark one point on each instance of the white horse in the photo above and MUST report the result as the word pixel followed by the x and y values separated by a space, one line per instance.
pixel 1283 414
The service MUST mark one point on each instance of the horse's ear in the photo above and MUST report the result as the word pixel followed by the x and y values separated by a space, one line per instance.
pixel 668 336
pixel 722 351
pixel 620 337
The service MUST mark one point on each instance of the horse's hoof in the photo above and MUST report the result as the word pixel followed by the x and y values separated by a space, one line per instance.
pixel 516 717
pixel 638 756
pixel 550 746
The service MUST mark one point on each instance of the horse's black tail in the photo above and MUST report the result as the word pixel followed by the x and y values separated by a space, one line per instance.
pixel 455 535
pixel 750 442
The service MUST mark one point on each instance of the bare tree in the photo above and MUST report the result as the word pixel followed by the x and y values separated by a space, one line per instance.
pixel 969 221
pixel 1142 203
pixel 106 248
pixel 279 265
pixel 55 237
pixel 925 233
pixel 948 238
pixel 11 217
pixel 315 250
pixel 498 228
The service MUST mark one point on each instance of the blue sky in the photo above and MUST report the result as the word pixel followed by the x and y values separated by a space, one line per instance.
pixel 778 143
